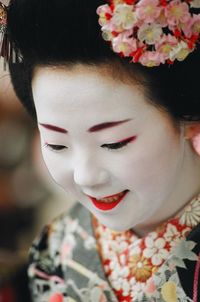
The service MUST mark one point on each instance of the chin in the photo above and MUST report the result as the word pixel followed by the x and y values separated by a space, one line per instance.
pixel 117 227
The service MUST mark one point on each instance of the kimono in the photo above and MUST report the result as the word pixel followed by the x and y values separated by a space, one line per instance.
pixel 70 261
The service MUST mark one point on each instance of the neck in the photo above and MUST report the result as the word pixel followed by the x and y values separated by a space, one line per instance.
pixel 186 188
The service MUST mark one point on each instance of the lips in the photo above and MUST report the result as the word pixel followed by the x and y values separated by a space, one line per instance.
pixel 108 202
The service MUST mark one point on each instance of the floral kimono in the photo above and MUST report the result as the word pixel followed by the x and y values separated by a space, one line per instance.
pixel 78 259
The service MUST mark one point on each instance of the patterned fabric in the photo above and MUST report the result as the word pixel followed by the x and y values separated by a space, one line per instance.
pixel 130 262
pixel 66 261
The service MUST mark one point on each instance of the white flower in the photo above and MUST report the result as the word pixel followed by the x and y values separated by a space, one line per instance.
pixel 118 246
pixel 102 11
pixel 114 264
pixel 195 3
pixel 107 35
pixel 134 248
pixel 191 215
pixel 118 277
pixel 117 284
pixel 124 17
pixel 125 287
pixel 124 43
pixel 150 33
pixel 90 243
pixel 119 271
pixel 137 291
pixel 185 250
pixel 72 226
pixel 155 250
pixel 122 259
pixel 125 272
pixel 179 52
pixel 171 232
pixel 120 283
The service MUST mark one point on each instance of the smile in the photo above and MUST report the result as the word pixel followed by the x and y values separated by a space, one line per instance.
pixel 108 202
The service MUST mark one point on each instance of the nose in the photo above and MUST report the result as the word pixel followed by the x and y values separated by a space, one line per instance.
pixel 88 173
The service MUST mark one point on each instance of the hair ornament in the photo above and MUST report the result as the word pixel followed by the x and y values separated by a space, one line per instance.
pixel 151 32
pixel 6 49
pixel 3 32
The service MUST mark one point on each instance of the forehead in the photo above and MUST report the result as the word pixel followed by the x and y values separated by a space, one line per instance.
pixel 77 80
pixel 81 80
pixel 88 91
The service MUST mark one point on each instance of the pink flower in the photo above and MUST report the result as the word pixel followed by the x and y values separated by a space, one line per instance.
pixel 107 33
pixel 148 10
pixel 151 58
pixel 124 17
pixel 179 52
pixel 192 26
pixel 165 45
pixel 66 251
pixel 150 287
pixel 136 28
pixel 105 14
pixel 162 20
pixel 124 44
pixel 177 12
pixel 150 33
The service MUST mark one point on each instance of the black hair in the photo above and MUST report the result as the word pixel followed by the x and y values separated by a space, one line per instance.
pixel 66 32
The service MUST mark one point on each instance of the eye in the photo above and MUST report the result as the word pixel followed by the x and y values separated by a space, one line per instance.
pixel 55 147
pixel 119 145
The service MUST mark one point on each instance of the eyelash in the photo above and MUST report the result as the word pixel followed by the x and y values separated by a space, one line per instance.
pixel 119 145
pixel 112 146
pixel 55 148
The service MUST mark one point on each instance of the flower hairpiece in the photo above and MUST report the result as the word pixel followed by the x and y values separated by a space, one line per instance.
pixel 151 32
pixel 6 49
pixel 3 29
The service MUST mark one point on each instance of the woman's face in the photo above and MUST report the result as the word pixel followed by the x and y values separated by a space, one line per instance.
pixel 101 138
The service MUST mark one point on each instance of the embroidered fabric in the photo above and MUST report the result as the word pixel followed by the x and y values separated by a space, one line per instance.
pixel 130 262
pixel 65 262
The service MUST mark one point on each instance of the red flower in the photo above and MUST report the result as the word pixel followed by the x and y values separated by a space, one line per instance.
pixel 191 42
pixel 108 16
pixel 57 297
pixel 129 2
pixel 136 55
pixel 115 33
pixel 177 33
pixel 163 2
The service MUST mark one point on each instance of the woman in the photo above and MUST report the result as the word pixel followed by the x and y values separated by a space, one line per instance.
pixel 116 119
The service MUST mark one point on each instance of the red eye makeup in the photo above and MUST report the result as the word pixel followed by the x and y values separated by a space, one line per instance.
pixel 120 144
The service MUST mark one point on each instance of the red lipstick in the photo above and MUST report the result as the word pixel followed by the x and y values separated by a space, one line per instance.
pixel 109 202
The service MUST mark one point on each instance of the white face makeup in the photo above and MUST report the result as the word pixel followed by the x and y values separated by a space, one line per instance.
pixel 92 162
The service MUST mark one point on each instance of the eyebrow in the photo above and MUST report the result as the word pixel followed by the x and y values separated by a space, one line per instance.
pixel 95 128
pixel 107 125
pixel 54 128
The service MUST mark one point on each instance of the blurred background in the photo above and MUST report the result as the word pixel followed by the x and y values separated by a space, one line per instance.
pixel 29 199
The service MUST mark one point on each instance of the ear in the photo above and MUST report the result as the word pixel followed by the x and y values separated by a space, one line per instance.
pixel 192 130
pixel 192 133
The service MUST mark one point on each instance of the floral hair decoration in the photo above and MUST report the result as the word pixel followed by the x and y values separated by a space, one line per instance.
pixel 151 32
pixel 3 29
pixel 6 48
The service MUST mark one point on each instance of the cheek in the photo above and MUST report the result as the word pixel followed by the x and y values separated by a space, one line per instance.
pixel 56 167
pixel 150 161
